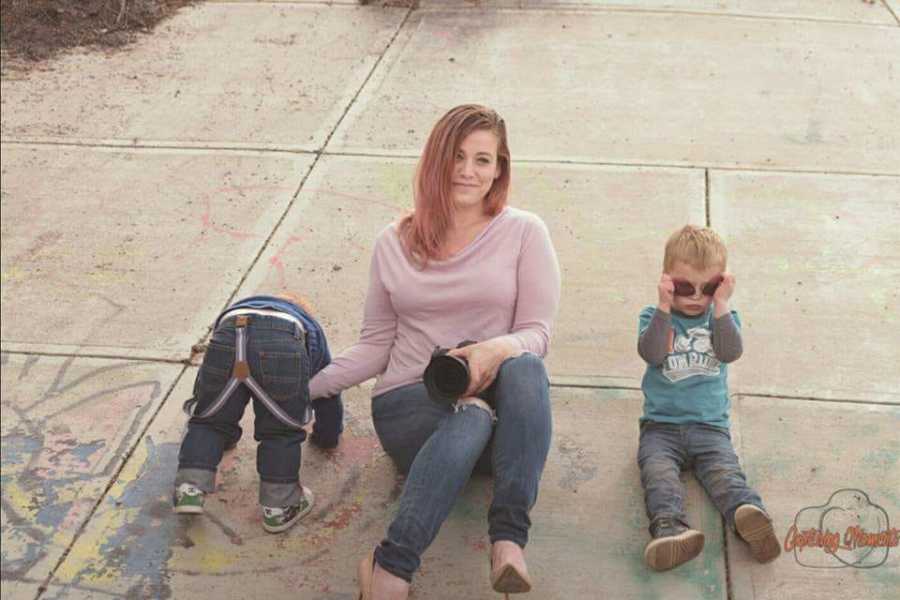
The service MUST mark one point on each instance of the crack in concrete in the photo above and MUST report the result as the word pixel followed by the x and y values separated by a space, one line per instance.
pixel 151 359
pixel 729 590
pixel 591 9
pixel 312 166
pixel 186 147
pixel 891 10
pixel 112 481
pixel 174 145
pixel 667 12
pixel 706 197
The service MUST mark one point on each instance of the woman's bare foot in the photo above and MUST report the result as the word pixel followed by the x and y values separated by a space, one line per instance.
pixel 509 573
pixel 386 586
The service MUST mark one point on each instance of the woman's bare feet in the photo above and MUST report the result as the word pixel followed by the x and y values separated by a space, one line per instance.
pixel 509 572
pixel 386 586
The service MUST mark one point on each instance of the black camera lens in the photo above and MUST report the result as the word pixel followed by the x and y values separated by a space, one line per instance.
pixel 446 377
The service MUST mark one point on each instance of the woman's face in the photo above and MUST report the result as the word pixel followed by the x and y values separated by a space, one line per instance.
pixel 475 169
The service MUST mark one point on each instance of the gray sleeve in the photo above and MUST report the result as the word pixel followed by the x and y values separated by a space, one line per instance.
pixel 726 339
pixel 653 342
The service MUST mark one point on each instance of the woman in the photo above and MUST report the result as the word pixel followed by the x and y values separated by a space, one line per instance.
pixel 462 266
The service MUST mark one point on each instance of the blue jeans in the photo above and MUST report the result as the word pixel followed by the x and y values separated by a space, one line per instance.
pixel 440 448
pixel 666 449
pixel 276 353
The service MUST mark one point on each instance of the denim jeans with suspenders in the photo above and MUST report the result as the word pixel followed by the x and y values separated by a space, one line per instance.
pixel 264 357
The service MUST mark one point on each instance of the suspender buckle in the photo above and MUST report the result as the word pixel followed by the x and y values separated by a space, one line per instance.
pixel 241 370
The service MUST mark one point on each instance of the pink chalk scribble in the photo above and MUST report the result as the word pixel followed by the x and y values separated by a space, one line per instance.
pixel 208 222
pixel 208 225
pixel 276 261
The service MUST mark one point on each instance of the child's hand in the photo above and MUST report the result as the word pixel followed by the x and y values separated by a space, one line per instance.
pixel 666 290
pixel 723 294
pixel 725 289
pixel 329 421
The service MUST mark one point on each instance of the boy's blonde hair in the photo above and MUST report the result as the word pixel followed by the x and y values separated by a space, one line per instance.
pixel 301 301
pixel 699 247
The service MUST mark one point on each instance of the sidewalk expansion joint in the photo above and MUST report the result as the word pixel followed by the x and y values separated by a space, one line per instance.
pixel 147 359
pixel 729 591
pixel 818 399
pixel 706 197
pixel 312 166
pixel 365 82
pixel 641 165
pixel 195 147
pixel 238 148
pixel 593 386
pixel 661 12
pixel 112 481
pixel 734 393
pixel 891 10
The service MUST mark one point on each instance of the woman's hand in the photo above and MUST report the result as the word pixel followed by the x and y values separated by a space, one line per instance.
pixel 484 361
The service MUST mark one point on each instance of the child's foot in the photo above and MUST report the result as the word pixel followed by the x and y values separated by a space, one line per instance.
pixel 672 544
pixel 188 499
pixel 755 527
pixel 276 520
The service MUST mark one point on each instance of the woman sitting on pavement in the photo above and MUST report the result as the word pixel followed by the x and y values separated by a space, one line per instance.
pixel 462 266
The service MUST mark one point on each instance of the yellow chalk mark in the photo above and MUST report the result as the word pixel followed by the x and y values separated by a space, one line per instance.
pixel 130 471
pixel 215 561
pixel 85 561
pixel 19 499
pixel 12 275
pixel 205 555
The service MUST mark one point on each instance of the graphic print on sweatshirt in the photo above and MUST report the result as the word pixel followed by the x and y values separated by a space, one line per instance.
pixel 690 355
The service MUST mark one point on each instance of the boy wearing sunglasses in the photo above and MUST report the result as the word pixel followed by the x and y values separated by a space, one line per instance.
pixel 687 340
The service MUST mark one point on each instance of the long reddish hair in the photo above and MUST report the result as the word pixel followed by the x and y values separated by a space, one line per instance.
pixel 423 231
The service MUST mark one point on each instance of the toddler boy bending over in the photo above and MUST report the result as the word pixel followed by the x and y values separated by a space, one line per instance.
pixel 687 340
pixel 266 348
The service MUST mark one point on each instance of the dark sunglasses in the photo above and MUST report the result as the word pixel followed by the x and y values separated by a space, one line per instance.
pixel 686 288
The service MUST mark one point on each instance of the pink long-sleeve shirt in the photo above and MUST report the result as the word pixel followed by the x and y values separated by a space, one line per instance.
pixel 505 283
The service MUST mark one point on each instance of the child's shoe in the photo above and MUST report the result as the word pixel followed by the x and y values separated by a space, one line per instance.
pixel 276 520
pixel 672 544
pixel 755 527
pixel 188 499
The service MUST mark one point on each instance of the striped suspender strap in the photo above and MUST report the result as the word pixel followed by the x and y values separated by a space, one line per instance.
pixel 241 374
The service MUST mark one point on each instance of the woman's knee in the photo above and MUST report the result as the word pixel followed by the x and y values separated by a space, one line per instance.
pixel 460 438
pixel 473 421
pixel 475 402
pixel 526 365
pixel 522 382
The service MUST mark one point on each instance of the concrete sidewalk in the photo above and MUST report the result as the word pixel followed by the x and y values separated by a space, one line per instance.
pixel 260 146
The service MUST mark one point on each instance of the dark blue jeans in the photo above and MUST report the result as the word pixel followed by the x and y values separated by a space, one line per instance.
pixel 666 449
pixel 276 353
pixel 440 448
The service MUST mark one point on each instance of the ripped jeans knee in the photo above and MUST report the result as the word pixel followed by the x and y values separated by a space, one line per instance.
pixel 464 403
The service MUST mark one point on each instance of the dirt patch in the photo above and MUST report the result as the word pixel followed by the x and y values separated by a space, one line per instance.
pixel 35 30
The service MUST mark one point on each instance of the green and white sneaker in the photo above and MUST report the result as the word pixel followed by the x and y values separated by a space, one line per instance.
pixel 188 499
pixel 276 520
